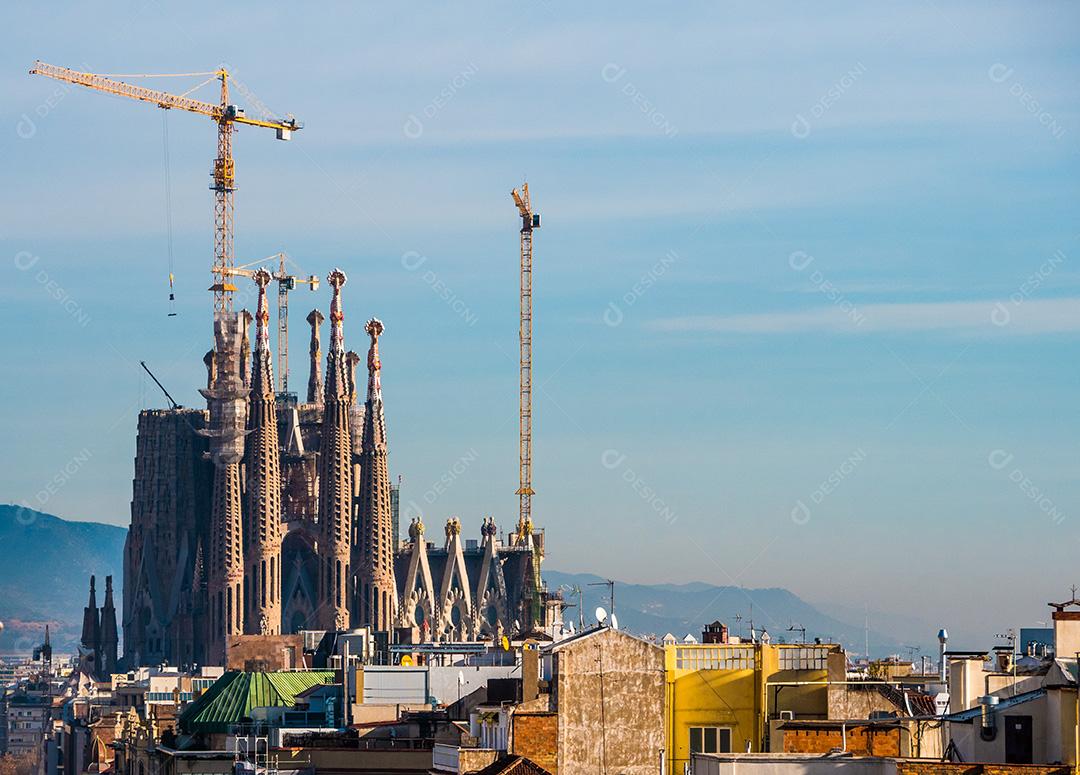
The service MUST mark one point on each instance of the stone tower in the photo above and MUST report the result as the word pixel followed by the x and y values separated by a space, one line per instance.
pixel 314 385
pixel 262 525
pixel 228 416
pixel 110 637
pixel 91 632
pixel 335 475
pixel 377 590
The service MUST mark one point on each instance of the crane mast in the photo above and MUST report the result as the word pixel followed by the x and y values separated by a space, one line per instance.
pixel 223 173
pixel 529 221
pixel 286 282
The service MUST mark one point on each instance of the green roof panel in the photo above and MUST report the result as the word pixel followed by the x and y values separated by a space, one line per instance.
pixel 231 698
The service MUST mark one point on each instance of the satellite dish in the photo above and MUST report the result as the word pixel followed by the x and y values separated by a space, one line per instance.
pixel 601 615
pixel 614 622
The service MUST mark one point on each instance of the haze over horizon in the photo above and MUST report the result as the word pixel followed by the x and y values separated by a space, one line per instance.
pixel 807 294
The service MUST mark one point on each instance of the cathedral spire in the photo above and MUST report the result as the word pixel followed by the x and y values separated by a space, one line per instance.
pixel 91 629
pixel 263 514
pixel 245 348
pixel 110 637
pixel 374 329
pixel 378 591
pixel 314 385
pixel 227 399
pixel 335 474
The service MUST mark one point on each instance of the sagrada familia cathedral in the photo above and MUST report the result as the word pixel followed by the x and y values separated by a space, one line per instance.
pixel 262 514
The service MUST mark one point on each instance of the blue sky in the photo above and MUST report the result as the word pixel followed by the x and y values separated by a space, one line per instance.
pixel 807 292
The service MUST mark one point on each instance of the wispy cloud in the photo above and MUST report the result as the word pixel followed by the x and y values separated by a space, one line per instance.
pixel 992 316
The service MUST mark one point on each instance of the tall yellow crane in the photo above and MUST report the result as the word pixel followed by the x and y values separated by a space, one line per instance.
pixel 529 221
pixel 223 173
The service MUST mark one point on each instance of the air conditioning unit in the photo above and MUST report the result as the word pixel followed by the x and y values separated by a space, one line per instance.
pixel 787 715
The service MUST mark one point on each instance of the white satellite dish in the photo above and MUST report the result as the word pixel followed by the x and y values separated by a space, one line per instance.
pixel 614 622
pixel 601 615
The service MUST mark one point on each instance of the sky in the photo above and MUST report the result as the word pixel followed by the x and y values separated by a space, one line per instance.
pixel 807 288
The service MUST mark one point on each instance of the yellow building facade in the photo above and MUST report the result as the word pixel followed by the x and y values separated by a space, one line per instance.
pixel 720 697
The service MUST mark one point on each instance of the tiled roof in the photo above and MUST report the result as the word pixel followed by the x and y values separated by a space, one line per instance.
pixel 231 698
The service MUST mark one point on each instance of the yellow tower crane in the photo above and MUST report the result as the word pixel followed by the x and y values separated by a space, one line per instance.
pixel 223 174
pixel 529 221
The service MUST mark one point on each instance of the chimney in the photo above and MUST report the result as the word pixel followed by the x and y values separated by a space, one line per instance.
pixel 943 665
pixel 530 674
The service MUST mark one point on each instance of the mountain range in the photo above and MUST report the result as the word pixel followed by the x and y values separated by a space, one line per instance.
pixel 682 609
pixel 47 575
pixel 46 579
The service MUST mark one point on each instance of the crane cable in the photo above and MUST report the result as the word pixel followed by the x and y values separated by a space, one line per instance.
pixel 168 207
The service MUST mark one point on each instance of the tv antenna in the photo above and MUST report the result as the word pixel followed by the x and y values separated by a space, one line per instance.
pixel 610 584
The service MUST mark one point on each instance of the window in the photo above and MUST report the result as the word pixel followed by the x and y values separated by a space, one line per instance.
pixel 810 658
pixel 715 658
pixel 710 740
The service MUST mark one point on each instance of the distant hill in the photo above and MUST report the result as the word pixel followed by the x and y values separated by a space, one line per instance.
pixel 681 609
pixel 46 576
pixel 50 561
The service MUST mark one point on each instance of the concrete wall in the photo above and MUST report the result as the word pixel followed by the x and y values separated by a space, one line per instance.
pixel 1066 634
pixel 391 684
pixel 780 764
pixel 609 695
pixel 443 681
pixel 740 686
pixel 264 652
pixel 1053 719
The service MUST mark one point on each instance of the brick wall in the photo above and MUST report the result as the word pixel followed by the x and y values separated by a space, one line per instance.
pixel 943 768
pixel 264 652
pixel 864 741
pixel 535 736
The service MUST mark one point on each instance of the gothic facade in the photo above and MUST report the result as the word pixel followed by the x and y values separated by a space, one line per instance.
pixel 264 514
